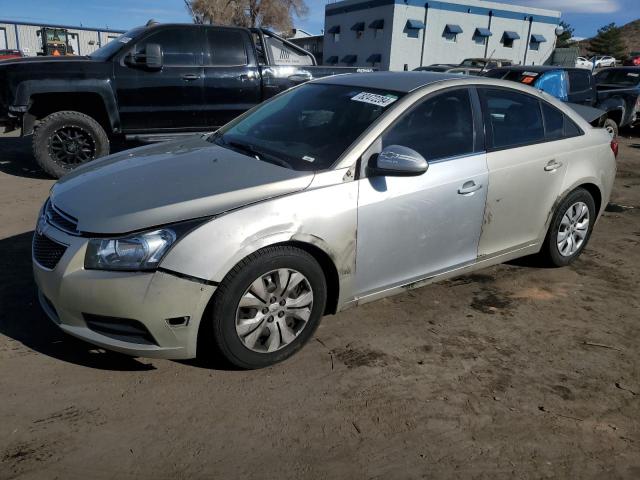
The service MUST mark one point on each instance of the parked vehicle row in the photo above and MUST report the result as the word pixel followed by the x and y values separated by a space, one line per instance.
pixel 469 66
pixel 152 81
pixel 246 237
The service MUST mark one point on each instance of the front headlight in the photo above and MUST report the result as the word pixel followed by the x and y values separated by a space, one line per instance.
pixel 139 251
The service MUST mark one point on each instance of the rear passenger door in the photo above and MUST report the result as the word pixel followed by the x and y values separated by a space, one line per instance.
pixel 527 158
pixel 232 83
pixel 581 88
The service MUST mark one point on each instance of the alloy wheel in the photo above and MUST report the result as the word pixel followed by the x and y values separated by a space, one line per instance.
pixel 274 310
pixel 573 229
pixel 71 146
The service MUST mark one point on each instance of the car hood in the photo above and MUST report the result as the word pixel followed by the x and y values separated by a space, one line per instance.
pixel 166 183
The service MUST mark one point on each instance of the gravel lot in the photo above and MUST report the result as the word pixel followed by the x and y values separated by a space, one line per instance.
pixel 514 372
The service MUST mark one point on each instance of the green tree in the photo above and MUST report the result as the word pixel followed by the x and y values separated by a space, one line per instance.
pixel 608 41
pixel 564 40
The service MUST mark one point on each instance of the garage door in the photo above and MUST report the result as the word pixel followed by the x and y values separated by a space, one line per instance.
pixel 3 38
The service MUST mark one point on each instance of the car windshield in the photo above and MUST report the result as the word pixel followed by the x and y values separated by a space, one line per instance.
pixel 621 78
pixel 308 128
pixel 115 45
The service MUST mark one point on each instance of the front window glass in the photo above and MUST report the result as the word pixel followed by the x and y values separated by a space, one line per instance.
pixel 180 46
pixel 116 44
pixel 440 127
pixel 308 128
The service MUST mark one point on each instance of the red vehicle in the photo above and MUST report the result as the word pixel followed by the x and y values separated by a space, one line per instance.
pixel 633 60
pixel 7 54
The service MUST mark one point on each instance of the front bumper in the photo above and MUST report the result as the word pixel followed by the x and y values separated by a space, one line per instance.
pixel 74 297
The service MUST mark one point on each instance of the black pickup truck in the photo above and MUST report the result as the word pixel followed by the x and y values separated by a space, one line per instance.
pixel 154 81
pixel 615 91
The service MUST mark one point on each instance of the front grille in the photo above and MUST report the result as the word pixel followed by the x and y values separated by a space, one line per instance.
pixel 47 252
pixel 123 329
pixel 59 219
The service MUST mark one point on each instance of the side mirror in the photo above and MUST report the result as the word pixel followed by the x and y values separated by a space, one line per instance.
pixel 397 161
pixel 153 56
pixel 151 59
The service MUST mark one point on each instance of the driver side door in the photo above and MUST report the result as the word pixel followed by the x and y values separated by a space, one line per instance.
pixel 411 228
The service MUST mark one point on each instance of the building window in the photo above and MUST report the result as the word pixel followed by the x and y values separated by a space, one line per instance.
pixel 536 40
pixel 359 29
pixel 335 31
pixel 451 32
pixel 413 28
pixel 349 59
pixel 378 26
pixel 509 38
pixel 375 58
pixel 481 35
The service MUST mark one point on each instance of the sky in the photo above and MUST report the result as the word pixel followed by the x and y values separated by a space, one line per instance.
pixel 586 16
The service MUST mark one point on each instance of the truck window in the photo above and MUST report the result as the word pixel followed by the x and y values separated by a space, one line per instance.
pixel 579 81
pixel 180 46
pixel 226 48
pixel 282 54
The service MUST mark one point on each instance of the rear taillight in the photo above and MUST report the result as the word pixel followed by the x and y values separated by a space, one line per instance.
pixel 636 61
pixel 615 147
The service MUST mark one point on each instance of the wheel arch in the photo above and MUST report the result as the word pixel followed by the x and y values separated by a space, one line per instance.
pixel 91 97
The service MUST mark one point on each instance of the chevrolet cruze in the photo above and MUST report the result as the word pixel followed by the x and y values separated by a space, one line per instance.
pixel 336 193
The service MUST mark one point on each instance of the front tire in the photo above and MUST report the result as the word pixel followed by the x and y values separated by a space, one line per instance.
pixel 268 306
pixel 65 140
pixel 570 229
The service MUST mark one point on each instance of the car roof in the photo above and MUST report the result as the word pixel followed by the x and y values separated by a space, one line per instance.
pixel 396 81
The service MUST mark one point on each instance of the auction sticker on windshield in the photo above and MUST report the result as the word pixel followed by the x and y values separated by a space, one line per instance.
pixel 374 99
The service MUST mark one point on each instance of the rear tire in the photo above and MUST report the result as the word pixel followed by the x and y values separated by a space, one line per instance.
pixel 273 323
pixel 65 140
pixel 570 229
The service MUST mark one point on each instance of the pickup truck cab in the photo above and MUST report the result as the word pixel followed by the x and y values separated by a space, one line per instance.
pixel 152 82
pixel 611 91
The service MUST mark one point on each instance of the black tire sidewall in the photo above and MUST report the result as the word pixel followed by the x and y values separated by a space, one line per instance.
pixel 579 195
pixel 233 287
pixel 54 122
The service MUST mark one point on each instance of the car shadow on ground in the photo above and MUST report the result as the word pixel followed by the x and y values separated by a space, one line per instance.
pixel 22 320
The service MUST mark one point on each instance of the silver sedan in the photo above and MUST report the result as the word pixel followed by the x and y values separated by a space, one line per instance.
pixel 336 193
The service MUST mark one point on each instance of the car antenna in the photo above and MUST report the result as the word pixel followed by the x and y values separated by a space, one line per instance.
pixel 488 60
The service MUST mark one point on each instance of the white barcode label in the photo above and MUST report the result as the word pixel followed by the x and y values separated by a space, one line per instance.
pixel 374 99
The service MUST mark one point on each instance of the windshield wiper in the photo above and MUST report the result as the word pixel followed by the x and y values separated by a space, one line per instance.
pixel 252 151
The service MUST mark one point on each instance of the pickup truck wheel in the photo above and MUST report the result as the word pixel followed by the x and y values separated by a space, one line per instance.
pixel 612 127
pixel 66 140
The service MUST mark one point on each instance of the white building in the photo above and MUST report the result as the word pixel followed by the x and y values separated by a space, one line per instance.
pixel 24 36
pixel 405 34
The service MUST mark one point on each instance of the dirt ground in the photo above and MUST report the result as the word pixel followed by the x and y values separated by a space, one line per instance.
pixel 514 372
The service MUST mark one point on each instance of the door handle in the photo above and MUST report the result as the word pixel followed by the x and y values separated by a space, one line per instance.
pixel 469 187
pixel 190 77
pixel 552 166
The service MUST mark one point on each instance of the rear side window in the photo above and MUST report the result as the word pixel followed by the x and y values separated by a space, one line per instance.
pixel 226 48
pixel 579 81
pixel 512 119
pixel 283 54
pixel 180 46
pixel 440 127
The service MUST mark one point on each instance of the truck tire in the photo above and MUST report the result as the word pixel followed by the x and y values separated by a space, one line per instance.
pixel 612 127
pixel 65 140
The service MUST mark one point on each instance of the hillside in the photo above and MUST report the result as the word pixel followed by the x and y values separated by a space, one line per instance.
pixel 630 34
